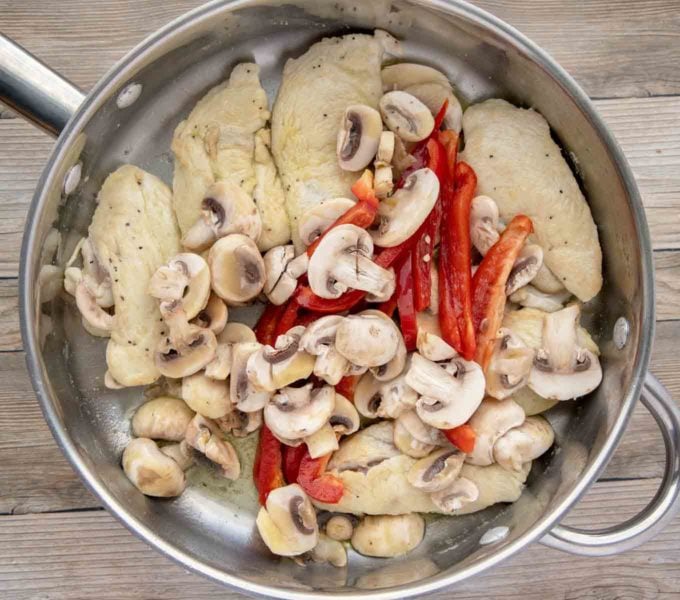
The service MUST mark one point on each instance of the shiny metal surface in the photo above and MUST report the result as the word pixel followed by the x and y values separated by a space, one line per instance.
pixel 210 528
pixel 35 91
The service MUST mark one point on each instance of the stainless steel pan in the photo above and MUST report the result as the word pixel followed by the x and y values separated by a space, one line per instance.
pixel 209 529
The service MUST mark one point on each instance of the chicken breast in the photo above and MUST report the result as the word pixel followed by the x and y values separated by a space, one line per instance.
pixel 224 139
pixel 315 90
pixel 134 232
pixel 375 479
pixel 520 166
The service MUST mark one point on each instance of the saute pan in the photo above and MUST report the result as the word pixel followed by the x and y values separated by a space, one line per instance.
pixel 129 116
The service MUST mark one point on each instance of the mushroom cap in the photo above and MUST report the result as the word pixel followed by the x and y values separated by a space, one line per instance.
pixel 396 364
pixel 185 279
pixel 162 418
pixel 317 219
pixel 526 267
pixel 214 316
pixel 367 397
pixel 438 470
pixel 491 420
pixel 181 453
pixel 406 116
pixel 358 137
pixel 524 443
pixel 320 334
pixel 388 535
pixel 400 215
pixel 287 522
pixel 208 397
pixel 433 95
pixel 414 437
pixel 243 393
pixel 344 419
pixel 204 435
pixel 460 492
pixel 234 333
pixel 433 347
pixel 449 393
pixel 403 75
pixel 367 340
pixel 279 284
pixel 237 269
pixel 299 412
pixel 152 472
pixel 484 217
pixel 188 355
pixel 509 366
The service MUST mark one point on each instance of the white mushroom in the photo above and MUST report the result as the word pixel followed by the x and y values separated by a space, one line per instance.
pixel 187 350
pixel 367 396
pixel 220 366
pixel 317 219
pixel 237 269
pixel 484 218
pixel 234 333
pixel 563 370
pixel 319 340
pixel 454 497
pixel 367 340
pixel 527 265
pixel 388 535
pixel 531 297
pixel 226 209
pixel 152 472
pixel 509 366
pixel 208 397
pixel 383 181
pixel 342 261
pixel 396 364
pixel 400 215
pixel 358 137
pixel 383 156
pixel 184 281
pixel 340 527
pixel 163 418
pixel 406 116
pixel 449 393
pixel 328 550
pixel 282 270
pixel 204 436
pixel 214 316
pixel 433 95
pixel 181 453
pixel 403 75
pixel 287 522
pixel 433 347
pixel 93 314
pixel 243 393
pixel 436 471
pixel 296 413
pixel 322 442
pixel 492 419
pixel 415 438
pixel 524 443
pixel 240 423
pixel 344 419
pixel 385 399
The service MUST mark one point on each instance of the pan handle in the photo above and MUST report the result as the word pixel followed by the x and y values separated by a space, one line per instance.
pixel 658 513
pixel 36 92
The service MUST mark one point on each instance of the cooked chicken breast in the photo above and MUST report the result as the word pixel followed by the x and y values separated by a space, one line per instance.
pixel 315 90
pixel 523 170
pixel 375 478
pixel 134 232
pixel 219 141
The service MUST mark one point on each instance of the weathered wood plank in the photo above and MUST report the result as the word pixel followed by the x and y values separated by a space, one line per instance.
pixel 88 554
pixel 10 336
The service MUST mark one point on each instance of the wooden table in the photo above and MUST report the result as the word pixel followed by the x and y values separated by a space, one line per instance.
pixel 56 541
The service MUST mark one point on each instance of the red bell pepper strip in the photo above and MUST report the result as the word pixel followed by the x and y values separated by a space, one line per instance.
pixel 346 386
pixel 292 457
pixel 462 437
pixel 288 318
pixel 405 305
pixel 318 484
pixel 389 306
pixel 306 318
pixel 267 469
pixel 488 285
pixel 455 254
pixel 438 120
pixel 265 330
pixel 362 214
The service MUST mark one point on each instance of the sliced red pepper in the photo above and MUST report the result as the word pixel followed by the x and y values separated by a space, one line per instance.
pixel 438 120
pixel 389 306
pixel 318 484
pixel 268 466
pixel 405 305
pixel 292 457
pixel 345 387
pixel 362 214
pixel 488 285
pixel 265 330
pixel 306 318
pixel 288 318
pixel 462 437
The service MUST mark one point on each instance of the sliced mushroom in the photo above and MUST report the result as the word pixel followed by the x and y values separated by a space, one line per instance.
pixel 383 181
pixel 93 314
pixel 186 352
pixel 340 527
pixel 243 393
pixel 454 497
pixel 181 453
pixel 509 366
pixel 344 419
pixel 111 383
pixel 328 550
pixel 415 438
pixel 152 472
pixel 358 137
pixel 527 265
pixel 433 347
pixel 367 398
pixel 396 397
pixel 287 522
pixel 226 209
pixel 522 444
pixel 237 269
pixel 183 281
pixel 220 366
pixel 322 442
pixel 531 297
pixel 282 270
pixel 449 393
pixel 406 116
pixel 342 261
pixel 388 535
pixel 214 316
pixel 208 397
pixel 400 215
pixel 383 156
pixel 321 216
pixel 367 340
pixel 296 413
pixel 433 95
pixel 492 419
pixel 563 370
pixel 484 218
pixel 436 471
pixel 204 435
pixel 233 333
pixel 396 365
pixel 403 75
pixel 240 423
pixel 163 418
pixel 319 340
